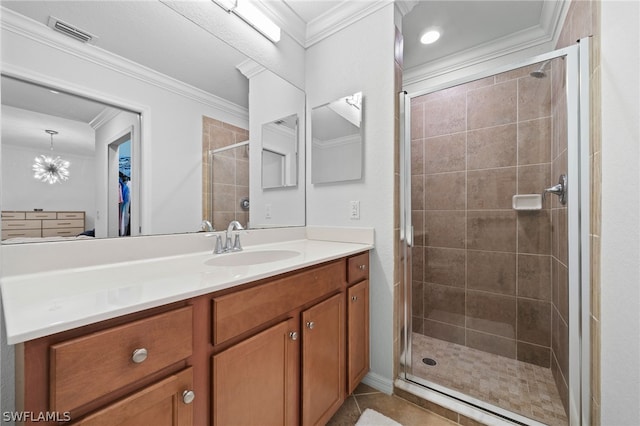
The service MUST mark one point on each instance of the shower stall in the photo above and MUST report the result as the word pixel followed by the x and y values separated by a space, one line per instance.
pixel 495 213
pixel 225 173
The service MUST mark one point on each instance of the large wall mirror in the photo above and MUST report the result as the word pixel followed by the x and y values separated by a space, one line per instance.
pixel 156 118
pixel 337 143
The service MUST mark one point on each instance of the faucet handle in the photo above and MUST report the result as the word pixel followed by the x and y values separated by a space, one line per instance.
pixel 219 249
pixel 236 243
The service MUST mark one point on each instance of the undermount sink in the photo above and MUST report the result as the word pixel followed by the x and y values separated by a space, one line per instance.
pixel 247 258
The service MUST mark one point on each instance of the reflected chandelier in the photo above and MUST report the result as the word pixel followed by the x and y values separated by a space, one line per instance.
pixel 48 169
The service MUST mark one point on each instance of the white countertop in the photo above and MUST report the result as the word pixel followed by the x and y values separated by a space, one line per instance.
pixel 43 303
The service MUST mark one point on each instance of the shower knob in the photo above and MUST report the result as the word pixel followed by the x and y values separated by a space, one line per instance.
pixel 244 204
pixel 560 189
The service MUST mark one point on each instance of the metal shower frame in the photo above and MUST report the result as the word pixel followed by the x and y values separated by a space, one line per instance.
pixel 578 214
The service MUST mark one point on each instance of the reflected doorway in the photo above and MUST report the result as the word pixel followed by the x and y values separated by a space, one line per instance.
pixel 120 187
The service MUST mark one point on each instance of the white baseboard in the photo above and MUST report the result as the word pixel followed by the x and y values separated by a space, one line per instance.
pixel 379 382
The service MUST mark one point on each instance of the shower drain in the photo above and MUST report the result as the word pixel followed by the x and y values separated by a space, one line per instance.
pixel 429 361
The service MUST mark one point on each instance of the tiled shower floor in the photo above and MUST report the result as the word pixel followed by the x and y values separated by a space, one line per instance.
pixel 523 388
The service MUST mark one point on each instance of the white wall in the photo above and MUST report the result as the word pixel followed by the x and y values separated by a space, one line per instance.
pixel 26 193
pixel 360 58
pixel 620 290
pixel 272 98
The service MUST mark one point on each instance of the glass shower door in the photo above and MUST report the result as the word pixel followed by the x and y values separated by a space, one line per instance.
pixel 489 319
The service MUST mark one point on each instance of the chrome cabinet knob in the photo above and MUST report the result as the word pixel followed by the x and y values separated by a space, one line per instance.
pixel 188 396
pixel 293 335
pixel 310 325
pixel 139 355
pixel 362 267
pixel 354 298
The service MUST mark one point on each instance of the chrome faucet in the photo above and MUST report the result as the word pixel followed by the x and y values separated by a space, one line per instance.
pixel 234 225
pixel 206 226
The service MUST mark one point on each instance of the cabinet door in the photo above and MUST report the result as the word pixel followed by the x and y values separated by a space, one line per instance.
pixel 357 334
pixel 256 381
pixel 323 360
pixel 166 402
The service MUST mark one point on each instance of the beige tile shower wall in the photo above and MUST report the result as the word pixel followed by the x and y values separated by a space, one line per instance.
pixel 583 20
pixel 482 271
pixel 229 183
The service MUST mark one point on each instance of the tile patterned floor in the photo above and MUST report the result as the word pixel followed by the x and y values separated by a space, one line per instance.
pixel 517 386
pixel 403 412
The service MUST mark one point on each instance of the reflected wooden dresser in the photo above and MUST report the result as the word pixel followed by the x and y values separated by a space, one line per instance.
pixel 37 224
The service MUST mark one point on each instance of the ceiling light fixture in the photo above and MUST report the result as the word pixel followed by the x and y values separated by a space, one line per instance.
pixel 252 16
pixel 48 169
pixel 430 37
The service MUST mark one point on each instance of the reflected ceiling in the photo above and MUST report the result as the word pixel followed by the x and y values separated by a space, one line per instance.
pixel 154 35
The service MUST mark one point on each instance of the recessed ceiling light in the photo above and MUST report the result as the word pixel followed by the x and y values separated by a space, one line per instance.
pixel 430 37
pixel 55 92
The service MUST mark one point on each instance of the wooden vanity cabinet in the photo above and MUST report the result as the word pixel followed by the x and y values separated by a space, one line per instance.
pixel 323 360
pixel 357 320
pixel 129 371
pixel 358 334
pixel 294 371
pixel 284 350
pixel 166 403
pixel 258 379
pixel 255 382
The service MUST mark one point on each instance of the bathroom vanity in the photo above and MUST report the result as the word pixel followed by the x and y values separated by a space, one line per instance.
pixel 278 342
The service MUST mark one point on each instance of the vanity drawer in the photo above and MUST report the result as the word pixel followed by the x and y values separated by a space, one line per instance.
pixel 63 223
pixel 91 366
pixel 62 232
pixel 21 233
pixel 41 215
pixel 21 224
pixel 70 215
pixel 238 312
pixel 358 268
pixel 13 215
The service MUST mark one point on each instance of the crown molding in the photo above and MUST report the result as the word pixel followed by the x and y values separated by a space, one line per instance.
pixel 341 141
pixel 104 117
pixel 405 6
pixel 250 68
pixel 340 17
pixel 28 28
pixel 512 43
pixel 335 19
pixel 552 18
pixel 545 34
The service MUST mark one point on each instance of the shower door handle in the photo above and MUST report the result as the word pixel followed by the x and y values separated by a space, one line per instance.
pixel 560 190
